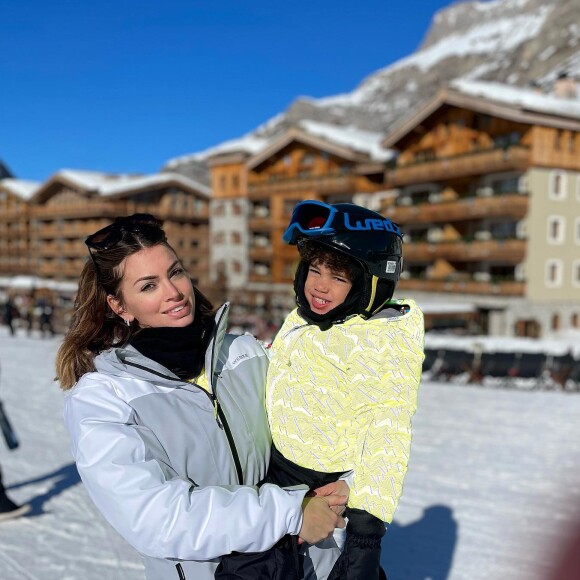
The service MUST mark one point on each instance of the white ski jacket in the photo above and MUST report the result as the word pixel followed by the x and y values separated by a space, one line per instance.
pixel 171 466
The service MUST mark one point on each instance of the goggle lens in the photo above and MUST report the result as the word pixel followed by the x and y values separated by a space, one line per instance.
pixel 312 218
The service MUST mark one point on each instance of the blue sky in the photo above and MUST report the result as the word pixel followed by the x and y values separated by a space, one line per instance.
pixel 125 85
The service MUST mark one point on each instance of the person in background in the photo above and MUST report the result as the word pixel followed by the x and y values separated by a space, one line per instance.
pixel 344 374
pixel 9 509
pixel 166 416
pixel 9 313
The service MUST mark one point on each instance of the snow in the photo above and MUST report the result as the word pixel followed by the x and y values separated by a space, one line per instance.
pixel 113 184
pixel 23 188
pixel 491 489
pixel 351 136
pixel 249 143
pixel 526 99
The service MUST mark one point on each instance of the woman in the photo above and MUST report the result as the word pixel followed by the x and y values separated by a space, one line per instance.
pixel 166 416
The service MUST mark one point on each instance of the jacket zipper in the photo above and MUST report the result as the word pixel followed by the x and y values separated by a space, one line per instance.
pixel 221 417
pixel 218 412
pixel 180 572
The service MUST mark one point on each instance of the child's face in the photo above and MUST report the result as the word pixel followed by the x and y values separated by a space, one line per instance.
pixel 325 288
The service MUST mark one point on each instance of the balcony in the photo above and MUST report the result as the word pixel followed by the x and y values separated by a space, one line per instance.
pixel 260 223
pixel 90 209
pixel 260 253
pixel 323 184
pixel 500 251
pixel 503 288
pixel 513 206
pixel 480 162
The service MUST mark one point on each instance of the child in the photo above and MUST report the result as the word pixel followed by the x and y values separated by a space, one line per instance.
pixel 344 373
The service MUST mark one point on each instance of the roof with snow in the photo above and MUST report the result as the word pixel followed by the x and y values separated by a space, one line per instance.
pixel 345 142
pixel 20 187
pixel 107 184
pixel 505 101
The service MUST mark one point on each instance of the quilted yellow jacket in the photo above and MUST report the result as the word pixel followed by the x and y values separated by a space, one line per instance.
pixel 343 399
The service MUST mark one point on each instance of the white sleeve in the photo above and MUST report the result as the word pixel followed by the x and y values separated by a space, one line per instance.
pixel 162 517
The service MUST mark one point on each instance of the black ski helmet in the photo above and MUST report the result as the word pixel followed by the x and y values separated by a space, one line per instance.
pixel 373 241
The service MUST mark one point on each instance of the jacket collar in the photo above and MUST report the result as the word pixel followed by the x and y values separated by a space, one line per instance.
pixel 129 362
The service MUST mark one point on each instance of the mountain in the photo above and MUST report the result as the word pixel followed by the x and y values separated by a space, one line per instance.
pixel 516 42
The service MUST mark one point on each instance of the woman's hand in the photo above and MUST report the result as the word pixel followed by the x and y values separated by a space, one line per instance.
pixel 319 518
pixel 339 487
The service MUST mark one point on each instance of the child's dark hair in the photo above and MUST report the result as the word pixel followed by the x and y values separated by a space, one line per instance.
pixel 311 252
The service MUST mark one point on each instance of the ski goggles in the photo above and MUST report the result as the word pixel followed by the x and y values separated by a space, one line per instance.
pixel 313 218
pixel 111 235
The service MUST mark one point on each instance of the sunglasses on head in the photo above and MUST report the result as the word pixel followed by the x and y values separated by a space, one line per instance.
pixel 111 235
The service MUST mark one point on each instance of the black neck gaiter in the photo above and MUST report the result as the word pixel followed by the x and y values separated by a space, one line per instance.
pixel 179 349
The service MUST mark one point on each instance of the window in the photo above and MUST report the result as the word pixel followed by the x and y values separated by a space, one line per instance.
pixel 576 274
pixel 577 231
pixel 236 266
pixel 558 139
pixel 236 238
pixel 556 229
pixel 555 321
pixel 557 186
pixel 575 320
pixel 553 273
pixel 237 208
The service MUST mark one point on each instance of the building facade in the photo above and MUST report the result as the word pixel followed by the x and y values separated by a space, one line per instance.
pixel 487 184
pixel 254 193
pixel 43 226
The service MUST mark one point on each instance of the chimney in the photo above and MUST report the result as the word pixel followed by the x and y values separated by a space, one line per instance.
pixel 565 87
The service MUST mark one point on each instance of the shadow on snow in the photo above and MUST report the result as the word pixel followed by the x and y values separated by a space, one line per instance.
pixel 63 478
pixel 422 549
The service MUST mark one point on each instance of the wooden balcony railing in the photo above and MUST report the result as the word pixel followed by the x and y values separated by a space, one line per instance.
pixel 90 209
pixel 513 206
pixel 260 253
pixel 502 251
pixel 515 157
pixel 505 288
pixel 260 223
pixel 322 184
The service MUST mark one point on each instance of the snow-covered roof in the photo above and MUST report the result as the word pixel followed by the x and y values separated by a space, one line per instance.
pixel 521 98
pixel 107 184
pixel 350 136
pixel 20 187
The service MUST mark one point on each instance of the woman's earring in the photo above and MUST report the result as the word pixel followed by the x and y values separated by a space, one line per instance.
pixel 127 321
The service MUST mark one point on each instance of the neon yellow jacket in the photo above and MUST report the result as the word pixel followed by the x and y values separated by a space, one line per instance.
pixel 343 399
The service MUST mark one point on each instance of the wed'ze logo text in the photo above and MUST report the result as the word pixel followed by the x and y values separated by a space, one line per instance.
pixel 371 224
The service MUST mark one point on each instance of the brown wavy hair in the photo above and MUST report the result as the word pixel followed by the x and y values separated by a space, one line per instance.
pixel 94 327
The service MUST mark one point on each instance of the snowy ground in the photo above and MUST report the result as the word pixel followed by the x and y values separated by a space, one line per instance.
pixel 492 486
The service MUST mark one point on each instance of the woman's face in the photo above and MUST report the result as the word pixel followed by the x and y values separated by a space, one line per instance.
pixel 156 289
pixel 325 288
